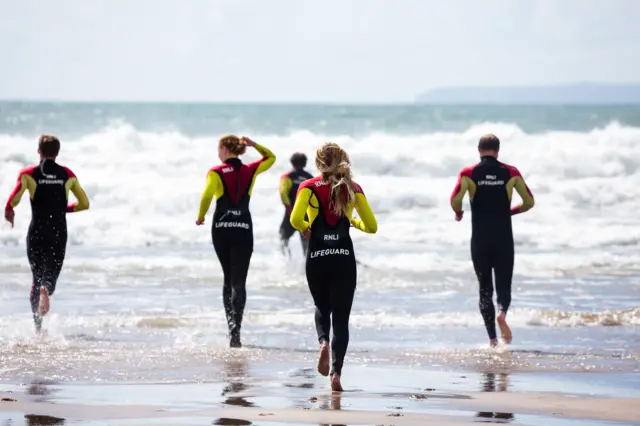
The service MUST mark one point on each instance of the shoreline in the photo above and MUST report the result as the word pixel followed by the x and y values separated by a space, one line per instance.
pixel 264 393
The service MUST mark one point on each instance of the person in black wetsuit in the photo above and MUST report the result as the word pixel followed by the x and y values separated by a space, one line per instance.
pixel 328 202
pixel 289 183
pixel 48 184
pixel 490 184
pixel 231 183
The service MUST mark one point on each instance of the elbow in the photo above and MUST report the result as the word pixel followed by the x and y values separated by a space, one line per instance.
pixel 373 228
pixel 297 223
pixel 85 205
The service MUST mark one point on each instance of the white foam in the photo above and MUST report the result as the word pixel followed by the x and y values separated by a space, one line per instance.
pixel 145 190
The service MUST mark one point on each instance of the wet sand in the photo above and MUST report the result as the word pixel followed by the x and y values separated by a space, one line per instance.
pixel 242 392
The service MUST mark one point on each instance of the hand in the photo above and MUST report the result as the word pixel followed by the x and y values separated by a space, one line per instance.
pixel 247 141
pixel 288 209
pixel 459 216
pixel 200 222
pixel 9 215
pixel 306 234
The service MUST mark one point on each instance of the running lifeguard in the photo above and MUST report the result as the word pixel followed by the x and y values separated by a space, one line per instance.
pixel 48 184
pixel 490 184
pixel 232 227
pixel 328 200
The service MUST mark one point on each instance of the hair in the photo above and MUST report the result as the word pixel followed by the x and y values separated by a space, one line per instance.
pixel 49 146
pixel 234 144
pixel 489 142
pixel 335 167
pixel 298 160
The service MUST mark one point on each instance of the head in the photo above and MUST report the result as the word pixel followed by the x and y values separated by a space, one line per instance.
pixel 48 147
pixel 230 146
pixel 299 160
pixel 335 167
pixel 489 145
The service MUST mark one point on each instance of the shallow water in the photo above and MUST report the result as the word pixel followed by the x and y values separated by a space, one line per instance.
pixel 140 294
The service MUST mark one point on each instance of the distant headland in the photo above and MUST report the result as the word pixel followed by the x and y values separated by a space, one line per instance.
pixel 569 94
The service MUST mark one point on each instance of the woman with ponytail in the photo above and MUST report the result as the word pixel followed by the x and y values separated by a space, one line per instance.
pixel 328 201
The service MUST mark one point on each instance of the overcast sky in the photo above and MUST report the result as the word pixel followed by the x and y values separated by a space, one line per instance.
pixel 307 50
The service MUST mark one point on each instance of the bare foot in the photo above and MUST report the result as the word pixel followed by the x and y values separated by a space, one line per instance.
pixel 335 383
pixel 493 343
pixel 505 331
pixel 323 360
pixel 43 306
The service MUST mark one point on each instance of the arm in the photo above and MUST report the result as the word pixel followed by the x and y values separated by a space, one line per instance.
pixel 285 187
pixel 81 196
pixel 267 160
pixel 527 197
pixel 300 209
pixel 212 188
pixel 461 188
pixel 367 222
pixel 16 194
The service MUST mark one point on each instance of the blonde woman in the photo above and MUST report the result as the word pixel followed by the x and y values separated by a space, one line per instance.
pixel 328 201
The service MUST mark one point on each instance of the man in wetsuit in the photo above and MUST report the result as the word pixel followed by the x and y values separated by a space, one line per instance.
pixel 48 184
pixel 289 183
pixel 490 184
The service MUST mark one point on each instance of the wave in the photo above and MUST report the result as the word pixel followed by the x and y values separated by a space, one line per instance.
pixel 145 187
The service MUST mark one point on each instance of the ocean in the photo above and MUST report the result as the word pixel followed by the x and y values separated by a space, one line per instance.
pixel 139 297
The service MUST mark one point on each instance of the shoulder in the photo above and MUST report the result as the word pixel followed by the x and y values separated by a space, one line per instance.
pixel 28 171
pixel 513 170
pixel 69 172
pixel 310 183
pixel 285 175
pixel 467 171
pixel 357 188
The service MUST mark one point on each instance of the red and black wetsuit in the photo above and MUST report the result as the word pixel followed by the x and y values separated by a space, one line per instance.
pixel 232 229
pixel 48 185
pixel 490 184
pixel 331 263
pixel 289 184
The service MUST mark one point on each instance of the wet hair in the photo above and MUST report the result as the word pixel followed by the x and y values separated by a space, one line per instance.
pixel 299 160
pixel 489 142
pixel 49 146
pixel 233 143
pixel 335 167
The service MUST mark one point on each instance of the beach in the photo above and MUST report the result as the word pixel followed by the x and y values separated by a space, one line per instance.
pixel 136 333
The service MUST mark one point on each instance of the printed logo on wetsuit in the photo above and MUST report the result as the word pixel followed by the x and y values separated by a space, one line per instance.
pixel 331 237
pixel 329 252
pixel 227 169
pixel 50 180
pixel 491 181
pixel 232 225
pixel 320 183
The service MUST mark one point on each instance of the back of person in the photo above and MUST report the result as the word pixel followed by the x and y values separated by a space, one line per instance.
pixel 51 183
pixel 491 203
pixel 296 176
pixel 232 208
pixel 329 231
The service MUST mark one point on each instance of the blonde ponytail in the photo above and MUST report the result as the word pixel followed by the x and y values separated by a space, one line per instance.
pixel 335 167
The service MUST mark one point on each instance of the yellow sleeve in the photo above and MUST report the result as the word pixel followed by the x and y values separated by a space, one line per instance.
pixel 268 159
pixel 16 194
pixel 367 222
pixel 285 187
pixel 300 209
pixel 461 188
pixel 527 197
pixel 212 188
pixel 81 196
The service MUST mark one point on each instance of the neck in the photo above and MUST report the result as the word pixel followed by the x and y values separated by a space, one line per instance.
pixel 230 157
pixel 47 158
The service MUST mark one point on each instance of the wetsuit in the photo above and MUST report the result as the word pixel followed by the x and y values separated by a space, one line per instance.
pixel 490 184
pixel 232 228
pixel 48 184
pixel 289 184
pixel 331 264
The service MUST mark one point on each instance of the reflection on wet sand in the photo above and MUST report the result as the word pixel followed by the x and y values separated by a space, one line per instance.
pixel 492 382
pixel 334 402
pixel 37 420
pixel 306 373
pixel 235 374
pixel 40 388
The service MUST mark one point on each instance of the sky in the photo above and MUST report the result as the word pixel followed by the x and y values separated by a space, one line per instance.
pixel 306 50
